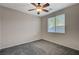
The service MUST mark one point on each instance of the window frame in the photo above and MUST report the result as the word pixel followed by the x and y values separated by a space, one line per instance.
pixel 55 24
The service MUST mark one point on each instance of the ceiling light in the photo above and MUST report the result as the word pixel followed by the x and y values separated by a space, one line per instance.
pixel 39 9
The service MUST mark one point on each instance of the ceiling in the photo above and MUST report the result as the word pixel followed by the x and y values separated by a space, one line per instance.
pixel 24 7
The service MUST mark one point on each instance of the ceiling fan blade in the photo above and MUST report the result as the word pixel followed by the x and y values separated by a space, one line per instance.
pixel 46 5
pixel 31 9
pixel 45 10
pixel 38 13
pixel 34 4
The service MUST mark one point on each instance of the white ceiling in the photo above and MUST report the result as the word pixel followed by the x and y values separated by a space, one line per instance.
pixel 24 7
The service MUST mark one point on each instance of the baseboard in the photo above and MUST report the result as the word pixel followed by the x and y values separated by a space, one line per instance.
pixel 39 40
pixel 60 45
pixel 19 44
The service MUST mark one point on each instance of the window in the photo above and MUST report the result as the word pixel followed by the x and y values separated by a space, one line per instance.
pixel 57 24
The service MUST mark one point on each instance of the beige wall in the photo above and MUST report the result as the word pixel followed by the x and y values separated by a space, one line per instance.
pixel 71 37
pixel 0 26
pixel 18 28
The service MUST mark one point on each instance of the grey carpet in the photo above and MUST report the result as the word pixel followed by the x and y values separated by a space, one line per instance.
pixel 40 47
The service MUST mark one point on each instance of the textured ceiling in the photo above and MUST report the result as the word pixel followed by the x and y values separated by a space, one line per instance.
pixel 24 7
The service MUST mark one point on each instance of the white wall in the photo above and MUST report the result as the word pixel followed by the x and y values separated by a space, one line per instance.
pixel 71 37
pixel 18 28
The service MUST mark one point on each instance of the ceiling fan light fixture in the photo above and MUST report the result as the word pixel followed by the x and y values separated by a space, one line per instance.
pixel 39 9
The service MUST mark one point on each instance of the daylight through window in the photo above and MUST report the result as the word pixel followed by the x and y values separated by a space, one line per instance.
pixel 57 24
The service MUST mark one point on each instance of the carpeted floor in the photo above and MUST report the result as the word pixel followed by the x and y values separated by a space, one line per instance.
pixel 40 47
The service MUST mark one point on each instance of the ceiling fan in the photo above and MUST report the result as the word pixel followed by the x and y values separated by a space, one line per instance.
pixel 39 7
